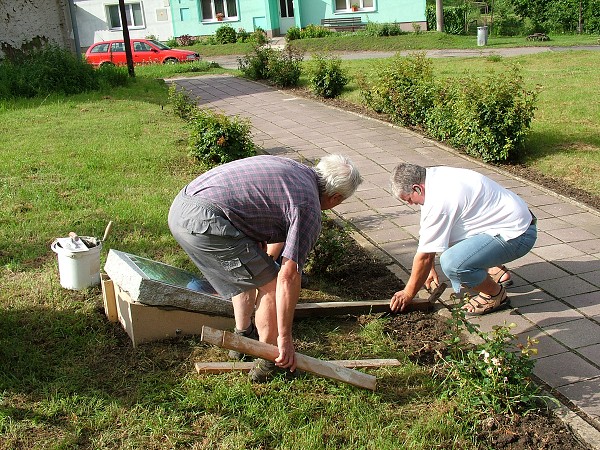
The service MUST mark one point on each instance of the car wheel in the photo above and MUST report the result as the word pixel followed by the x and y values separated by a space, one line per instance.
pixel 106 64
pixel 170 61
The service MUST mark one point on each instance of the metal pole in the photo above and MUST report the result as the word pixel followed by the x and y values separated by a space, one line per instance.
pixel 439 14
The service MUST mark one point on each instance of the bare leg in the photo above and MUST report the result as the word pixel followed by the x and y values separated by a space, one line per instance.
pixel 243 308
pixel 266 313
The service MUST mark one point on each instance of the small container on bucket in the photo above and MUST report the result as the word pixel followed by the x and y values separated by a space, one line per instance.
pixel 78 261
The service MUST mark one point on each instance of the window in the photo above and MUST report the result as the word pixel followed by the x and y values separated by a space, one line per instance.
pixel 133 12
pixel 141 47
pixel 287 8
pixel 346 5
pixel 117 47
pixel 100 48
pixel 210 9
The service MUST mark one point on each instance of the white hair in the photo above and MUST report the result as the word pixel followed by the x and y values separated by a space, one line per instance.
pixel 337 175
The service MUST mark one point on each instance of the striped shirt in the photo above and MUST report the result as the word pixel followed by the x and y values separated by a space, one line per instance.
pixel 268 198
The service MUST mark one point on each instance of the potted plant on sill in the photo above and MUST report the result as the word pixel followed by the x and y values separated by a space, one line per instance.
pixel 354 7
pixel 220 17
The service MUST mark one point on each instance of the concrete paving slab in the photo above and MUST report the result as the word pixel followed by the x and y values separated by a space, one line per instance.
pixel 550 313
pixel 546 346
pixel 574 334
pixel 585 395
pixel 579 264
pixel 564 369
pixel 588 303
pixel 540 271
pixel 591 353
pixel 566 286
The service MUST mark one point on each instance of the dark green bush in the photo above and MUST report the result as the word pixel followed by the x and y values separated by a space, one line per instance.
pixel 259 36
pixel 225 34
pixel 52 70
pixel 172 42
pixel 292 34
pixel 327 78
pixel 217 139
pixel 486 117
pixel 404 90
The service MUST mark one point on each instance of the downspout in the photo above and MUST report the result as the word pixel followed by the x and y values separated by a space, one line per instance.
pixel 74 29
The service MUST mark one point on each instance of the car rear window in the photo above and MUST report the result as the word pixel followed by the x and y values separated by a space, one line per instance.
pixel 100 48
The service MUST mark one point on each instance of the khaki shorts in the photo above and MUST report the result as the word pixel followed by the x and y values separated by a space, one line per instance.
pixel 229 260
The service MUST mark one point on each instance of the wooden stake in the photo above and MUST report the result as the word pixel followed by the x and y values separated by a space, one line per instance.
pixel 322 309
pixel 270 352
pixel 241 366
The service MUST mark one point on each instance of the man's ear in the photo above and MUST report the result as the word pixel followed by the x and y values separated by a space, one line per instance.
pixel 417 189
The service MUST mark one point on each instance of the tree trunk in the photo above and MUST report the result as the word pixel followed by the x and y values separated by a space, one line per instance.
pixel 126 40
pixel 439 14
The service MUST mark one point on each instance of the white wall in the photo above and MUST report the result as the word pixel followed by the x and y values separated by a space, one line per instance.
pixel 27 23
pixel 93 26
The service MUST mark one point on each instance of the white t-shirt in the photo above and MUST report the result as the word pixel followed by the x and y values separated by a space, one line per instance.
pixel 461 203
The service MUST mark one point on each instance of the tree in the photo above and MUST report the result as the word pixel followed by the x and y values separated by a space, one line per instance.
pixel 535 10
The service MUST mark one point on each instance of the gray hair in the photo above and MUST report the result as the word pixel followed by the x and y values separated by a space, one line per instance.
pixel 336 174
pixel 404 177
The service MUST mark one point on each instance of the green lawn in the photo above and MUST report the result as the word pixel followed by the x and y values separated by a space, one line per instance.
pixel 70 379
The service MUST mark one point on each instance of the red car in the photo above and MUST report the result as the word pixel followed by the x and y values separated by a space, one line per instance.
pixel 144 51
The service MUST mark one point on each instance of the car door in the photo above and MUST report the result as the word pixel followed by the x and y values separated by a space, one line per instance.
pixel 117 53
pixel 143 52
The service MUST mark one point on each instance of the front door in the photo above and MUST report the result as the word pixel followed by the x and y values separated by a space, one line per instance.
pixel 286 9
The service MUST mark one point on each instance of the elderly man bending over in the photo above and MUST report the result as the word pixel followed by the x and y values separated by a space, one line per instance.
pixel 476 225
pixel 233 218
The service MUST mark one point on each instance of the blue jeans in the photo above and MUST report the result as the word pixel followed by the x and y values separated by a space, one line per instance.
pixel 466 262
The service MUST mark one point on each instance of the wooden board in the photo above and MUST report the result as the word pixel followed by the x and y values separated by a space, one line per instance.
pixel 321 309
pixel 241 366
pixel 316 366
pixel 109 298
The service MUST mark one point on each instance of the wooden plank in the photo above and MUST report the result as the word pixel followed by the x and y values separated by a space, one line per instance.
pixel 322 309
pixel 241 366
pixel 109 298
pixel 270 352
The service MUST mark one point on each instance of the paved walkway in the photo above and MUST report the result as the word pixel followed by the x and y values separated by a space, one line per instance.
pixel 556 295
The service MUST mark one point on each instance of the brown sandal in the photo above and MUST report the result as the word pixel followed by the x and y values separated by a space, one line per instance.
pixel 502 273
pixel 484 304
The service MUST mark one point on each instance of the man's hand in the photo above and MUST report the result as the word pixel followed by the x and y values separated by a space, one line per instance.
pixel 432 280
pixel 400 301
pixel 287 353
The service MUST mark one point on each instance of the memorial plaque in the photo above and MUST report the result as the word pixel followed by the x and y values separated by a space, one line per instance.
pixel 153 283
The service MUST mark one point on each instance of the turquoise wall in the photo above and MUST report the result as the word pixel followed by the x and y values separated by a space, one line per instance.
pixel 186 14
pixel 312 11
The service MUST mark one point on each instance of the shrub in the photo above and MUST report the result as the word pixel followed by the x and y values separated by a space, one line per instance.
pixel 327 79
pixel 281 67
pixel 242 35
pixel 186 40
pixel 491 376
pixel 314 31
pixel 454 18
pixel 404 90
pixel 488 118
pixel 181 103
pixel 292 34
pixel 226 35
pixel 217 139
pixel 172 42
pixel 259 36
pixel 332 246
pixel 255 65
pixel 52 70
pixel 285 67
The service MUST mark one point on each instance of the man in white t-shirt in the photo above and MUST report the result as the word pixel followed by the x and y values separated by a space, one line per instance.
pixel 476 225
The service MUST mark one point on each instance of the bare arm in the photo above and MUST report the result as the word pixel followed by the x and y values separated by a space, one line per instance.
pixel 421 269
pixel 287 294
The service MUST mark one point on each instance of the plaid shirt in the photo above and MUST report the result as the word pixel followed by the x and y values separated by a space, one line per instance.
pixel 268 198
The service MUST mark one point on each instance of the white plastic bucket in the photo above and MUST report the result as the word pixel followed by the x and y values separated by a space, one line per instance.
pixel 79 270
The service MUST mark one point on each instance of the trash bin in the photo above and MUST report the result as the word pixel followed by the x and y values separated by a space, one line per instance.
pixel 78 261
pixel 482 36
